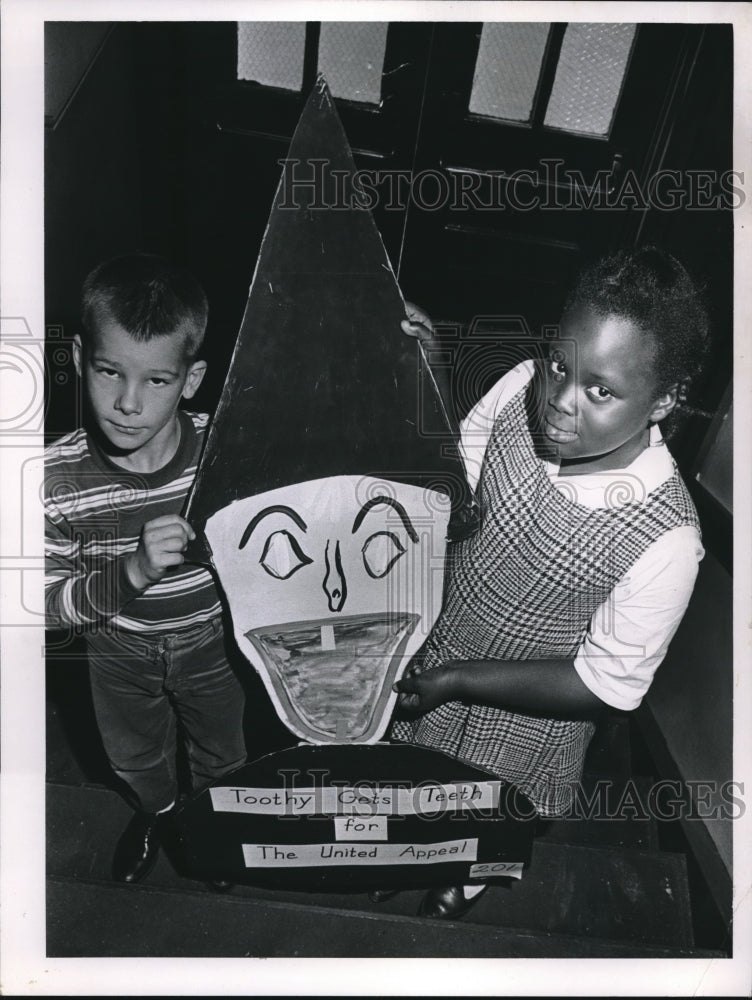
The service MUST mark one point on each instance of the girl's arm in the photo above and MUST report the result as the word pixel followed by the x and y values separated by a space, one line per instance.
pixel 539 687
pixel 418 324
pixel 465 518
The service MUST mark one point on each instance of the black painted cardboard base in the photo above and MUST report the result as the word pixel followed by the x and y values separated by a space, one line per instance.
pixel 354 817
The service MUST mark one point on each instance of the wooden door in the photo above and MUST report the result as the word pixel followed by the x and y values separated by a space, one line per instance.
pixel 481 214
pixel 526 199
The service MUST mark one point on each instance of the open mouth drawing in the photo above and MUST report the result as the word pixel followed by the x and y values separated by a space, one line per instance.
pixel 334 678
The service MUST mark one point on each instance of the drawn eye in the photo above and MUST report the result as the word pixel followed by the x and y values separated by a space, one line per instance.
pixel 282 555
pixel 380 552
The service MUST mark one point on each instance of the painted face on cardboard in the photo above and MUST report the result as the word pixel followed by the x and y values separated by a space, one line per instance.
pixel 332 586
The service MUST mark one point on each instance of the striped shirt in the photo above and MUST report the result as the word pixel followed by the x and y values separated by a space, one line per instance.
pixel 94 513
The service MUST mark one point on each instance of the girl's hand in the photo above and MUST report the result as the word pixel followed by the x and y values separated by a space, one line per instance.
pixel 423 690
pixel 418 323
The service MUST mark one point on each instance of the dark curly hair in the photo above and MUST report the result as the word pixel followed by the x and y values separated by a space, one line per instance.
pixel 653 289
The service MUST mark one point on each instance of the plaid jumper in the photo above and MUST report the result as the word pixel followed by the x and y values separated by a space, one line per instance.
pixel 525 587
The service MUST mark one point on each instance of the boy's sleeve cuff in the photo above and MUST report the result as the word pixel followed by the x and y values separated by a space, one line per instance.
pixel 126 590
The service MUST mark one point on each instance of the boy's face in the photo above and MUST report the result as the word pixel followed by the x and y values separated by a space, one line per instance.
pixel 600 391
pixel 133 389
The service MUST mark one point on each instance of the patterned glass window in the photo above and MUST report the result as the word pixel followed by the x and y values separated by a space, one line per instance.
pixel 351 57
pixel 271 52
pixel 507 70
pixel 589 76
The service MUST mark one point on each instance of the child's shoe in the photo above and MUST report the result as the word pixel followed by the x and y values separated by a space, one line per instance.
pixel 220 885
pixel 381 895
pixel 449 902
pixel 138 848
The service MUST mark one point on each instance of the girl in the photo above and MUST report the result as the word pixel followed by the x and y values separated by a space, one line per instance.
pixel 566 598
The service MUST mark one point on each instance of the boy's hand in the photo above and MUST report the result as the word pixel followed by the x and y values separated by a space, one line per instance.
pixel 160 546
pixel 418 324
pixel 423 690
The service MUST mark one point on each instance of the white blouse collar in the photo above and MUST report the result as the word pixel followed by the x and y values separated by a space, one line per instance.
pixel 652 467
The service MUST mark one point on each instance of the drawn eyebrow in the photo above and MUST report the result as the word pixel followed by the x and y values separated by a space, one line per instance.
pixel 389 502
pixel 279 509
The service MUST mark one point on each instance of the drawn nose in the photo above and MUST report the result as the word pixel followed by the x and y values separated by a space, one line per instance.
pixel 334 584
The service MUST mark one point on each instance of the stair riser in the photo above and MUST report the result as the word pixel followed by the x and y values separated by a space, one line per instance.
pixel 573 890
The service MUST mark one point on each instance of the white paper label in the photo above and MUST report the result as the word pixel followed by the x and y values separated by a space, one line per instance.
pixel 360 800
pixel 313 855
pixel 513 869
pixel 355 828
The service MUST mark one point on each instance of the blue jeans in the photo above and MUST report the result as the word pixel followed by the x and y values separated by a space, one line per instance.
pixel 142 685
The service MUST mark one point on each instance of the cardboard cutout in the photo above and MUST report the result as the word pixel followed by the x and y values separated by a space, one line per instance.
pixel 327 407
pixel 328 485
pixel 322 381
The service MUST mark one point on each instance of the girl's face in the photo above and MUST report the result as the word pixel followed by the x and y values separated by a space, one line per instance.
pixel 601 392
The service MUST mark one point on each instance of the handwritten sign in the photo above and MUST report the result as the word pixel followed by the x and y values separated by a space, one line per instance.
pixel 361 799
pixel 509 869
pixel 355 828
pixel 305 855
pixel 354 817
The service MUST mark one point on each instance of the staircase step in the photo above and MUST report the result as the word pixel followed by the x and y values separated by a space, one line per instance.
pixel 610 751
pixel 607 813
pixel 95 919
pixel 583 891
pixel 636 895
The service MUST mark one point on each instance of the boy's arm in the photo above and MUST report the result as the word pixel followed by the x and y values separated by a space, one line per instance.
pixel 81 587
pixel 90 582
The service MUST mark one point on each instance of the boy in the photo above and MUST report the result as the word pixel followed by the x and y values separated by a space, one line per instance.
pixel 115 542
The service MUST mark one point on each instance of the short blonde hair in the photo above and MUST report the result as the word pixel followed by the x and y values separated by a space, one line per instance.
pixel 149 297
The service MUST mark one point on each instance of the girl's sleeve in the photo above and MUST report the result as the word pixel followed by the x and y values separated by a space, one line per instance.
pixel 630 632
pixel 477 426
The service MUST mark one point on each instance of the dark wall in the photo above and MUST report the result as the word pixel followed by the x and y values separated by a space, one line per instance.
pixel 127 167
pixel 161 149
pixel 691 699
pixel 93 194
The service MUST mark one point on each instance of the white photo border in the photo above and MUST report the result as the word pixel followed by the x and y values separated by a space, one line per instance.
pixel 25 968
